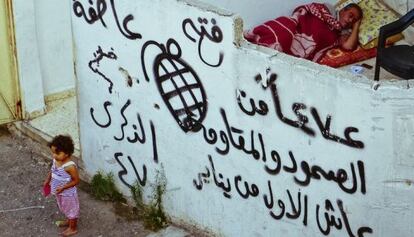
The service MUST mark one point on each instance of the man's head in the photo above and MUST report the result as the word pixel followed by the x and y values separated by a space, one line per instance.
pixel 350 14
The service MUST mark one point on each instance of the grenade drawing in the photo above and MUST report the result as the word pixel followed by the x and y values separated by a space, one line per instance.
pixel 179 86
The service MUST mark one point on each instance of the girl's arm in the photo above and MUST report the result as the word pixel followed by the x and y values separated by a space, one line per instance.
pixel 48 177
pixel 73 172
pixel 351 42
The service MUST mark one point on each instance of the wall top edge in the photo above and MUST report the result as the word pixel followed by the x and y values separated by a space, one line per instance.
pixel 313 68
pixel 208 7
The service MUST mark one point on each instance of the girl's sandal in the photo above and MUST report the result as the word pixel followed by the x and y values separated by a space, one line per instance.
pixel 61 223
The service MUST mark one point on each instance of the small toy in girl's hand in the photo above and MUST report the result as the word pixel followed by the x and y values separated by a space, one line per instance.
pixel 46 190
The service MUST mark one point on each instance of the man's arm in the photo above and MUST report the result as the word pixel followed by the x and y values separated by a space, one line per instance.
pixel 351 42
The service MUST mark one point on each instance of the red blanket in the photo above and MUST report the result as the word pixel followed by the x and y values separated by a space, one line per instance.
pixel 308 33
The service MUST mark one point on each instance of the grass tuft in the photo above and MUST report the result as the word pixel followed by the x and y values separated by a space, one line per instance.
pixel 153 214
pixel 103 188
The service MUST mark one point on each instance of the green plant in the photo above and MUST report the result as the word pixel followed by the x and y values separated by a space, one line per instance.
pixel 103 188
pixel 136 191
pixel 152 214
pixel 155 218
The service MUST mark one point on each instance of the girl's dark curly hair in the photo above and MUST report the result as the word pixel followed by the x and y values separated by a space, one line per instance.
pixel 62 143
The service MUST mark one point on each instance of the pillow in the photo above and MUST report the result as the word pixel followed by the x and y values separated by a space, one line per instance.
pixel 375 16
pixel 390 40
pixel 337 57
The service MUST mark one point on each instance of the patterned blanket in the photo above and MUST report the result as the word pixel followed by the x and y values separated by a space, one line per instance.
pixel 308 33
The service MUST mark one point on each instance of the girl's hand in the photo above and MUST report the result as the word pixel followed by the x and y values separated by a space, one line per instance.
pixel 59 190
pixel 46 182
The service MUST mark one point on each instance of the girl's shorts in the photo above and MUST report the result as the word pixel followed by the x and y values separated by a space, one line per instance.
pixel 69 205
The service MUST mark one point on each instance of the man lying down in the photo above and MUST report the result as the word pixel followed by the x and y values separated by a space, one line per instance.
pixel 310 31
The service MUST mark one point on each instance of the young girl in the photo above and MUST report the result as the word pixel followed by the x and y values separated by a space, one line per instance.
pixel 63 178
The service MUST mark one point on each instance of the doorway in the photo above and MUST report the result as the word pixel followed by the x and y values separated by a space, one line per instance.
pixel 10 105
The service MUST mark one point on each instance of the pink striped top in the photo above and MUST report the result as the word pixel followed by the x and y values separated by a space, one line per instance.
pixel 60 177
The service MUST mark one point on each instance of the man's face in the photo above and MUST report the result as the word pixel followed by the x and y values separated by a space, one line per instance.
pixel 347 17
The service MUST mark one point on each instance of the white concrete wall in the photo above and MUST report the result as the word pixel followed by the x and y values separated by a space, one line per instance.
pixel 323 152
pixel 54 38
pixel 44 51
pixel 30 78
pixel 257 12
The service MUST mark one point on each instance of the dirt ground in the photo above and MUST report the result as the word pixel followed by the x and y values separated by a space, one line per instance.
pixel 25 212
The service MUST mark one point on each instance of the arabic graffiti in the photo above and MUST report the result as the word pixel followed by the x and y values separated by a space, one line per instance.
pixel 97 11
pixel 290 208
pixel 216 36
pixel 124 107
pixel 301 119
pixel 94 14
pixel 294 204
pixel 142 181
pixel 136 137
pixel 269 79
pixel 178 84
pixel 331 222
pixel 132 133
pixel 129 78
pixel 226 186
pixel 296 209
pixel 106 105
pixel 95 63
pixel 233 137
